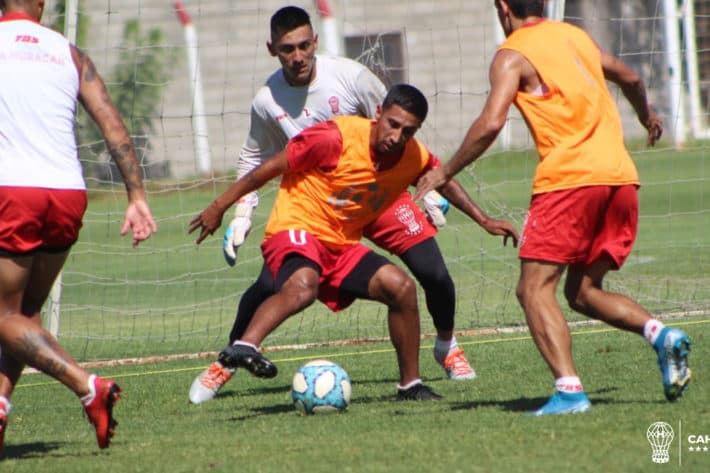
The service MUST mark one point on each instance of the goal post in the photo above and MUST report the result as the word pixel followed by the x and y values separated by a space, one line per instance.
pixel 55 294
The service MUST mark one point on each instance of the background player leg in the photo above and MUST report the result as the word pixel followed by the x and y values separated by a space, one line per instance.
pixel 548 327
pixel 426 263
pixel 584 293
pixel 209 382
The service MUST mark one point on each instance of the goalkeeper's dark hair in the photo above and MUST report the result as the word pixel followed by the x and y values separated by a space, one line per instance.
pixel 288 19
pixel 525 8
pixel 409 98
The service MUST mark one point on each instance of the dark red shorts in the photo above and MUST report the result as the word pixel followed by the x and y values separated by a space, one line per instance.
pixel 401 226
pixel 578 226
pixel 33 218
pixel 335 265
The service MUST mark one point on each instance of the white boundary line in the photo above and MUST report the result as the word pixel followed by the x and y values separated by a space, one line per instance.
pixel 344 343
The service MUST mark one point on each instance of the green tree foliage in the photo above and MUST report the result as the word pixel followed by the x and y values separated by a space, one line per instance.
pixel 135 84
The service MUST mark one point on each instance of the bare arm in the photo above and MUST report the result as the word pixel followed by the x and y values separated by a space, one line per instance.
pixel 634 90
pixel 210 219
pixel 457 195
pixel 95 99
pixel 504 76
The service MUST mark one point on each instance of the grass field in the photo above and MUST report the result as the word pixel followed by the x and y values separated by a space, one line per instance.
pixel 480 426
pixel 169 297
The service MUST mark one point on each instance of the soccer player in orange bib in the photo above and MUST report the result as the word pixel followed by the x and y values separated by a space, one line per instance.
pixel 310 88
pixel 584 209
pixel 338 176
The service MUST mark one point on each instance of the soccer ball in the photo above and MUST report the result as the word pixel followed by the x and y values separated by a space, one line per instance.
pixel 320 386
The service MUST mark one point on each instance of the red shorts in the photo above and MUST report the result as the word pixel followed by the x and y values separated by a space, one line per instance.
pixel 335 265
pixel 578 226
pixel 401 226
pixel 33 218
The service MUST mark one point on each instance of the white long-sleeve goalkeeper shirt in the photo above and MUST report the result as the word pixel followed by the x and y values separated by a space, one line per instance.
pixel 280 111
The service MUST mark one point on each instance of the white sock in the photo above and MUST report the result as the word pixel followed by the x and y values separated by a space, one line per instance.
pixel 245 344
pixel 445 346
pixel 86 400
pixel 5 405
pixel 652 329
pixel 569 384
pixel 409 384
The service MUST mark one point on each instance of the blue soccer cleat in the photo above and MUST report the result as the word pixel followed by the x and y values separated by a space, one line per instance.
pixel 564 403
pixel 673 347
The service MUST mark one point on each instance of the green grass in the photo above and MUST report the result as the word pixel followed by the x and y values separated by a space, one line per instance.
pixel 480 425
pixel 170 296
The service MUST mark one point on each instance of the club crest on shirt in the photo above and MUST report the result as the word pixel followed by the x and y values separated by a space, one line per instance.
pixel 334 103
pixel 406 215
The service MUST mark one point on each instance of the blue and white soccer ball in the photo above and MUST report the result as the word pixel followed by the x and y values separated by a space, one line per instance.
pixel 321 386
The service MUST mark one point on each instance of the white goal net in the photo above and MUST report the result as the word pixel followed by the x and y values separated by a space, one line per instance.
pixel 170 296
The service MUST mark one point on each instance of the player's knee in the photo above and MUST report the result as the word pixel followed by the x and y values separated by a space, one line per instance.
pixel 529 292
pixel 302 291
pixel 578 299
pixel 306 295
pixel 405 294
pixel 398 289
pixel 579 292
pixel 522 292
pixel 436 279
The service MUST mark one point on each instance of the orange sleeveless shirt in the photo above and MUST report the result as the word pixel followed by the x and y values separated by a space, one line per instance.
pixel 575 122
pixel 334 205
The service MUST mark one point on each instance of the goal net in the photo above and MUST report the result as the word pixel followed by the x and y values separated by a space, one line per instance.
pixel 170 296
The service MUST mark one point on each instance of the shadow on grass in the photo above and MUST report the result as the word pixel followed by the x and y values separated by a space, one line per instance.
pixel 240 392
pixel 288 407
pixel 286 387
pixel 29 450
pixel 525 404
pixel 266 410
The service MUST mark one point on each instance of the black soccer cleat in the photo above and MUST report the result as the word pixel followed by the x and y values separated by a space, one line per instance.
pixel 244 356
pixel 418 392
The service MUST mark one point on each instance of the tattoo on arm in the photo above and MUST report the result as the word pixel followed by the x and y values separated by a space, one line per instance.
pixel 89 69
pixel 124 156
pixel 96 100
pixel 84 65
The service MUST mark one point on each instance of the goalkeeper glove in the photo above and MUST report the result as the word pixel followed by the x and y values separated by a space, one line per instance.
pixel 436 206
pixel 237 230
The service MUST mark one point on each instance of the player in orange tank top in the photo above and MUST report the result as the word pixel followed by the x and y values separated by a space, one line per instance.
pixel 351 189
pixel 584 210
pixel 338 176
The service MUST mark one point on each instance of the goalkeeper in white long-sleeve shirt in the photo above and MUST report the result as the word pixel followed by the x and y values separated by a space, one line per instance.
pixel 306 90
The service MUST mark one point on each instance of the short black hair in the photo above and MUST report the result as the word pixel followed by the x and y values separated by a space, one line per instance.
pixel 409 98
pixel 288 19
pixel 526 8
